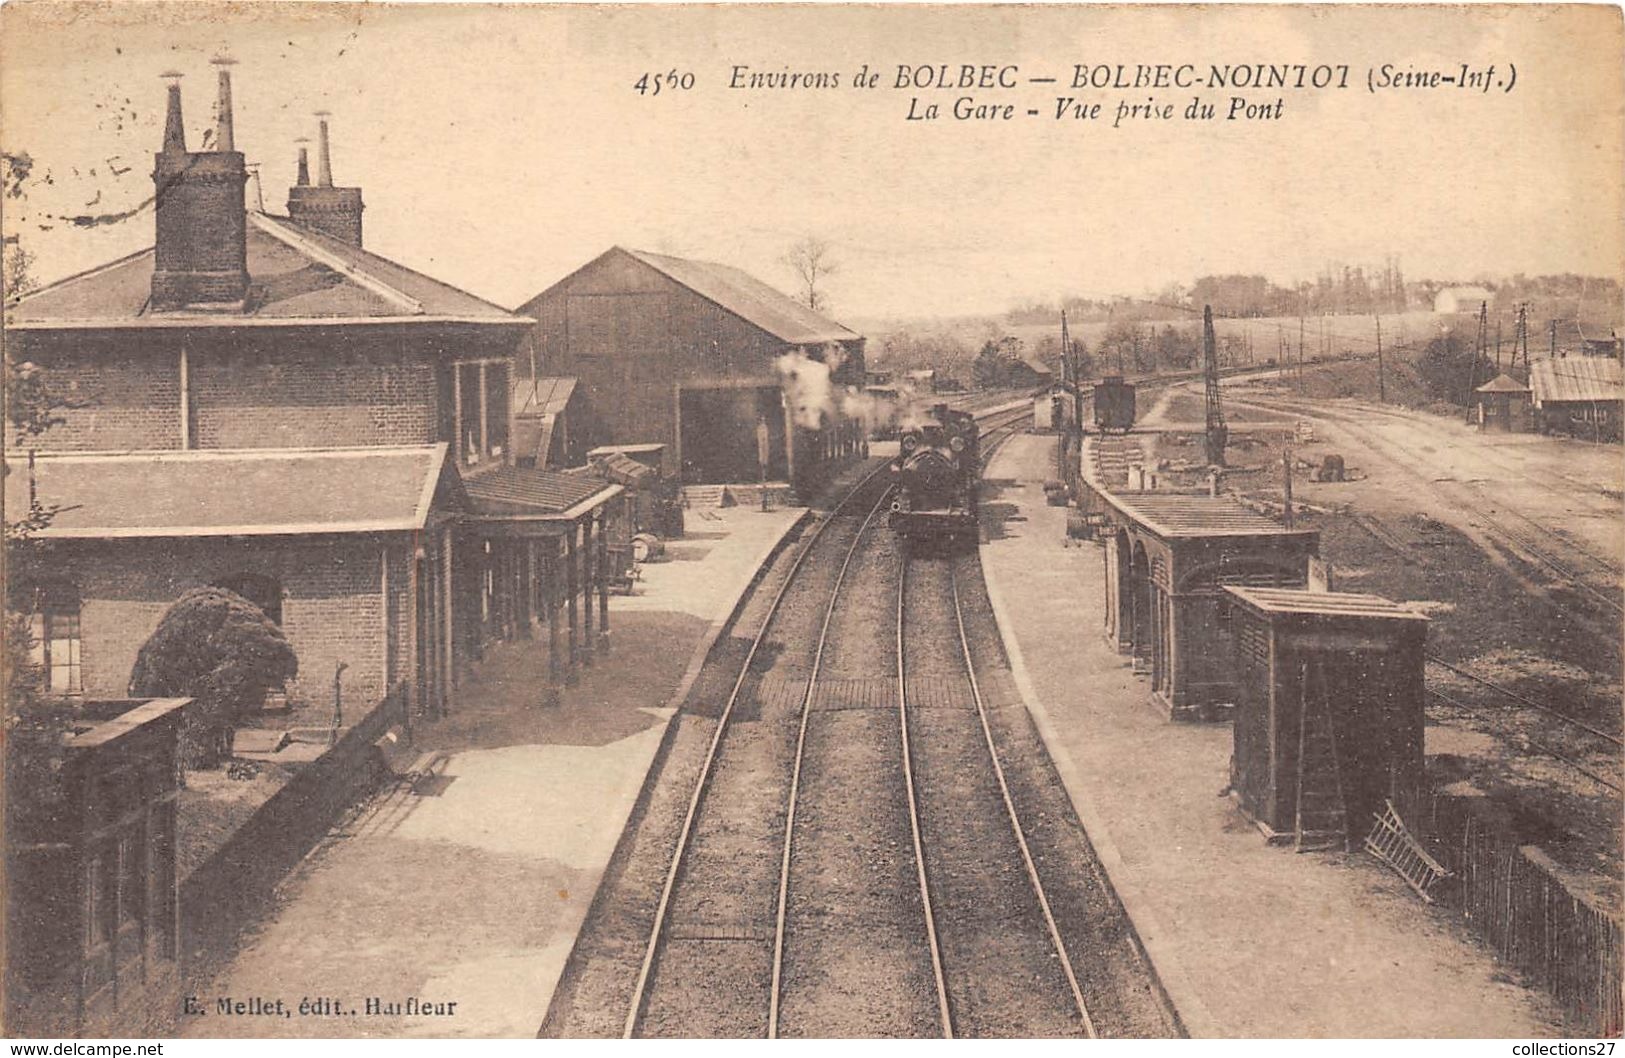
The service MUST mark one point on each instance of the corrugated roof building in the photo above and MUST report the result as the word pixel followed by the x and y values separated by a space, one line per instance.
pixel 1578 395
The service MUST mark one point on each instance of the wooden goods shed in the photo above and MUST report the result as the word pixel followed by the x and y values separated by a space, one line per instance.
pixel 1329 717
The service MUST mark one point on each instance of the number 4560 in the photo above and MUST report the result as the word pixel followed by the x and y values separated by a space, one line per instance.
pixel 651 83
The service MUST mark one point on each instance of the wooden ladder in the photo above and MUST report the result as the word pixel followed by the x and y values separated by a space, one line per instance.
pixel 1322 812
pixel 1394 845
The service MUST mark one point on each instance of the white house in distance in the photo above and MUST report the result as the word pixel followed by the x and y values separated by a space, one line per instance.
pixel 1461 299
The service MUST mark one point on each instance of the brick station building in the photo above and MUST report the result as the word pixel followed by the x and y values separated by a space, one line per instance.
pixel 260 403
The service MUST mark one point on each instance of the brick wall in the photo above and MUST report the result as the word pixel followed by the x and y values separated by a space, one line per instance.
pixel 127 399
pixel 308 400
pixel 277 388
pixel 332 609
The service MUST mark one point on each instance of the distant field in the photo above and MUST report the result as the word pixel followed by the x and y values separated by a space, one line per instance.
pixel 1339 334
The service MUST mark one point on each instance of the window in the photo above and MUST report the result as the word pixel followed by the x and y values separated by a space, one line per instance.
pixel 54 625
pixel 469 405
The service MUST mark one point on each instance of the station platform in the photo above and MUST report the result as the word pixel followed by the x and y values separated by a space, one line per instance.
pixel 1249 940
pixel 468 885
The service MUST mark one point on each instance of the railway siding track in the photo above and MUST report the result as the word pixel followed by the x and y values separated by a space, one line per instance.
pixel 1538 544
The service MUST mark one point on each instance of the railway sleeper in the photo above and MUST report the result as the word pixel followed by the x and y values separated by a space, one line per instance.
pixel 721 931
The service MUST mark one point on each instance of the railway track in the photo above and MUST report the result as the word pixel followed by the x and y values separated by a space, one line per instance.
pixel 1004 968
pixel 719 920
pixel 854 859
pixel 1573 564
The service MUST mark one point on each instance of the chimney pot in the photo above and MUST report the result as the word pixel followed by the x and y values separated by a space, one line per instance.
pixel 174 128
pixel 324 160
pixel 224 135
pixel 333 211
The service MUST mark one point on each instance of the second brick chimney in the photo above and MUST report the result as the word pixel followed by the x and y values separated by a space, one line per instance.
pixel 201 248
pixel 333 211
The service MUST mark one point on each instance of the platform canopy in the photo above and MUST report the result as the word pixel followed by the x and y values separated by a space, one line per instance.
pixel 1171 515
pixel 535 493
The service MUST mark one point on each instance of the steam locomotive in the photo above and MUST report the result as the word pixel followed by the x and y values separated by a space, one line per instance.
pixel 937 472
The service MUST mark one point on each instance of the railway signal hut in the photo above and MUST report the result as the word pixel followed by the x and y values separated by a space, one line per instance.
pixel 1329 718
pixel 1168 556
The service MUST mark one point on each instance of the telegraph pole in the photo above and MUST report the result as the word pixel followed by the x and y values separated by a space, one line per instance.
pixel 1382 391
pixel 1479 348
pixel 1217 432
pixel 1070 356
pixel 1298 371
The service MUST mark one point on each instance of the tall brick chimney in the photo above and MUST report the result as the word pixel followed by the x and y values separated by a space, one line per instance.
pixel 202 238
pixel 333 211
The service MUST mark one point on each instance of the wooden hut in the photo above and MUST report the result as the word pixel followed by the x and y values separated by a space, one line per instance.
pixel 1329 713
pixel 1503 405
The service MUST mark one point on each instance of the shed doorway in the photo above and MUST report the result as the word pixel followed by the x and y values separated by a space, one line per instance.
pixel 720 433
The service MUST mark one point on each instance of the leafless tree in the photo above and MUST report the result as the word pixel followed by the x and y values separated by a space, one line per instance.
pixel 810 260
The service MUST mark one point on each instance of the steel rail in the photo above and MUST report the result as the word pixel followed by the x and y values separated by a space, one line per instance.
pixel 1518 738
pixel 944 1008
pixel 668 887
pixel 657 930
pixel 1015 819
pixel 1515 696
pixel 795 771
pixel 1518 538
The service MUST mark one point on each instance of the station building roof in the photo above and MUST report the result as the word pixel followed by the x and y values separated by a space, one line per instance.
pixel 296 276
pixel 1502 383
pixel 749 298
pixel 244 492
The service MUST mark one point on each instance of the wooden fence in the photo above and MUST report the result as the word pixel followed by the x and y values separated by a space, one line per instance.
pixel 1512 897
pixel 219 896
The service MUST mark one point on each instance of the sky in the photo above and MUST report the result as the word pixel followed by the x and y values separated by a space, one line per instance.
pixel 500 148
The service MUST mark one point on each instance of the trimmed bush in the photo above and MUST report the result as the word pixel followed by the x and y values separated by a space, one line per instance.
pixel 215 646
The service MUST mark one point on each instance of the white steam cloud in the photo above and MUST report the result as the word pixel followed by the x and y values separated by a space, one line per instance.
pixel 871 409
pixel 806 387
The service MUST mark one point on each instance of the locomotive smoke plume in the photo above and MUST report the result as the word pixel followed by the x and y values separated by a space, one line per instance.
pixel 913 410
pixel 869 409
pixel 806 386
